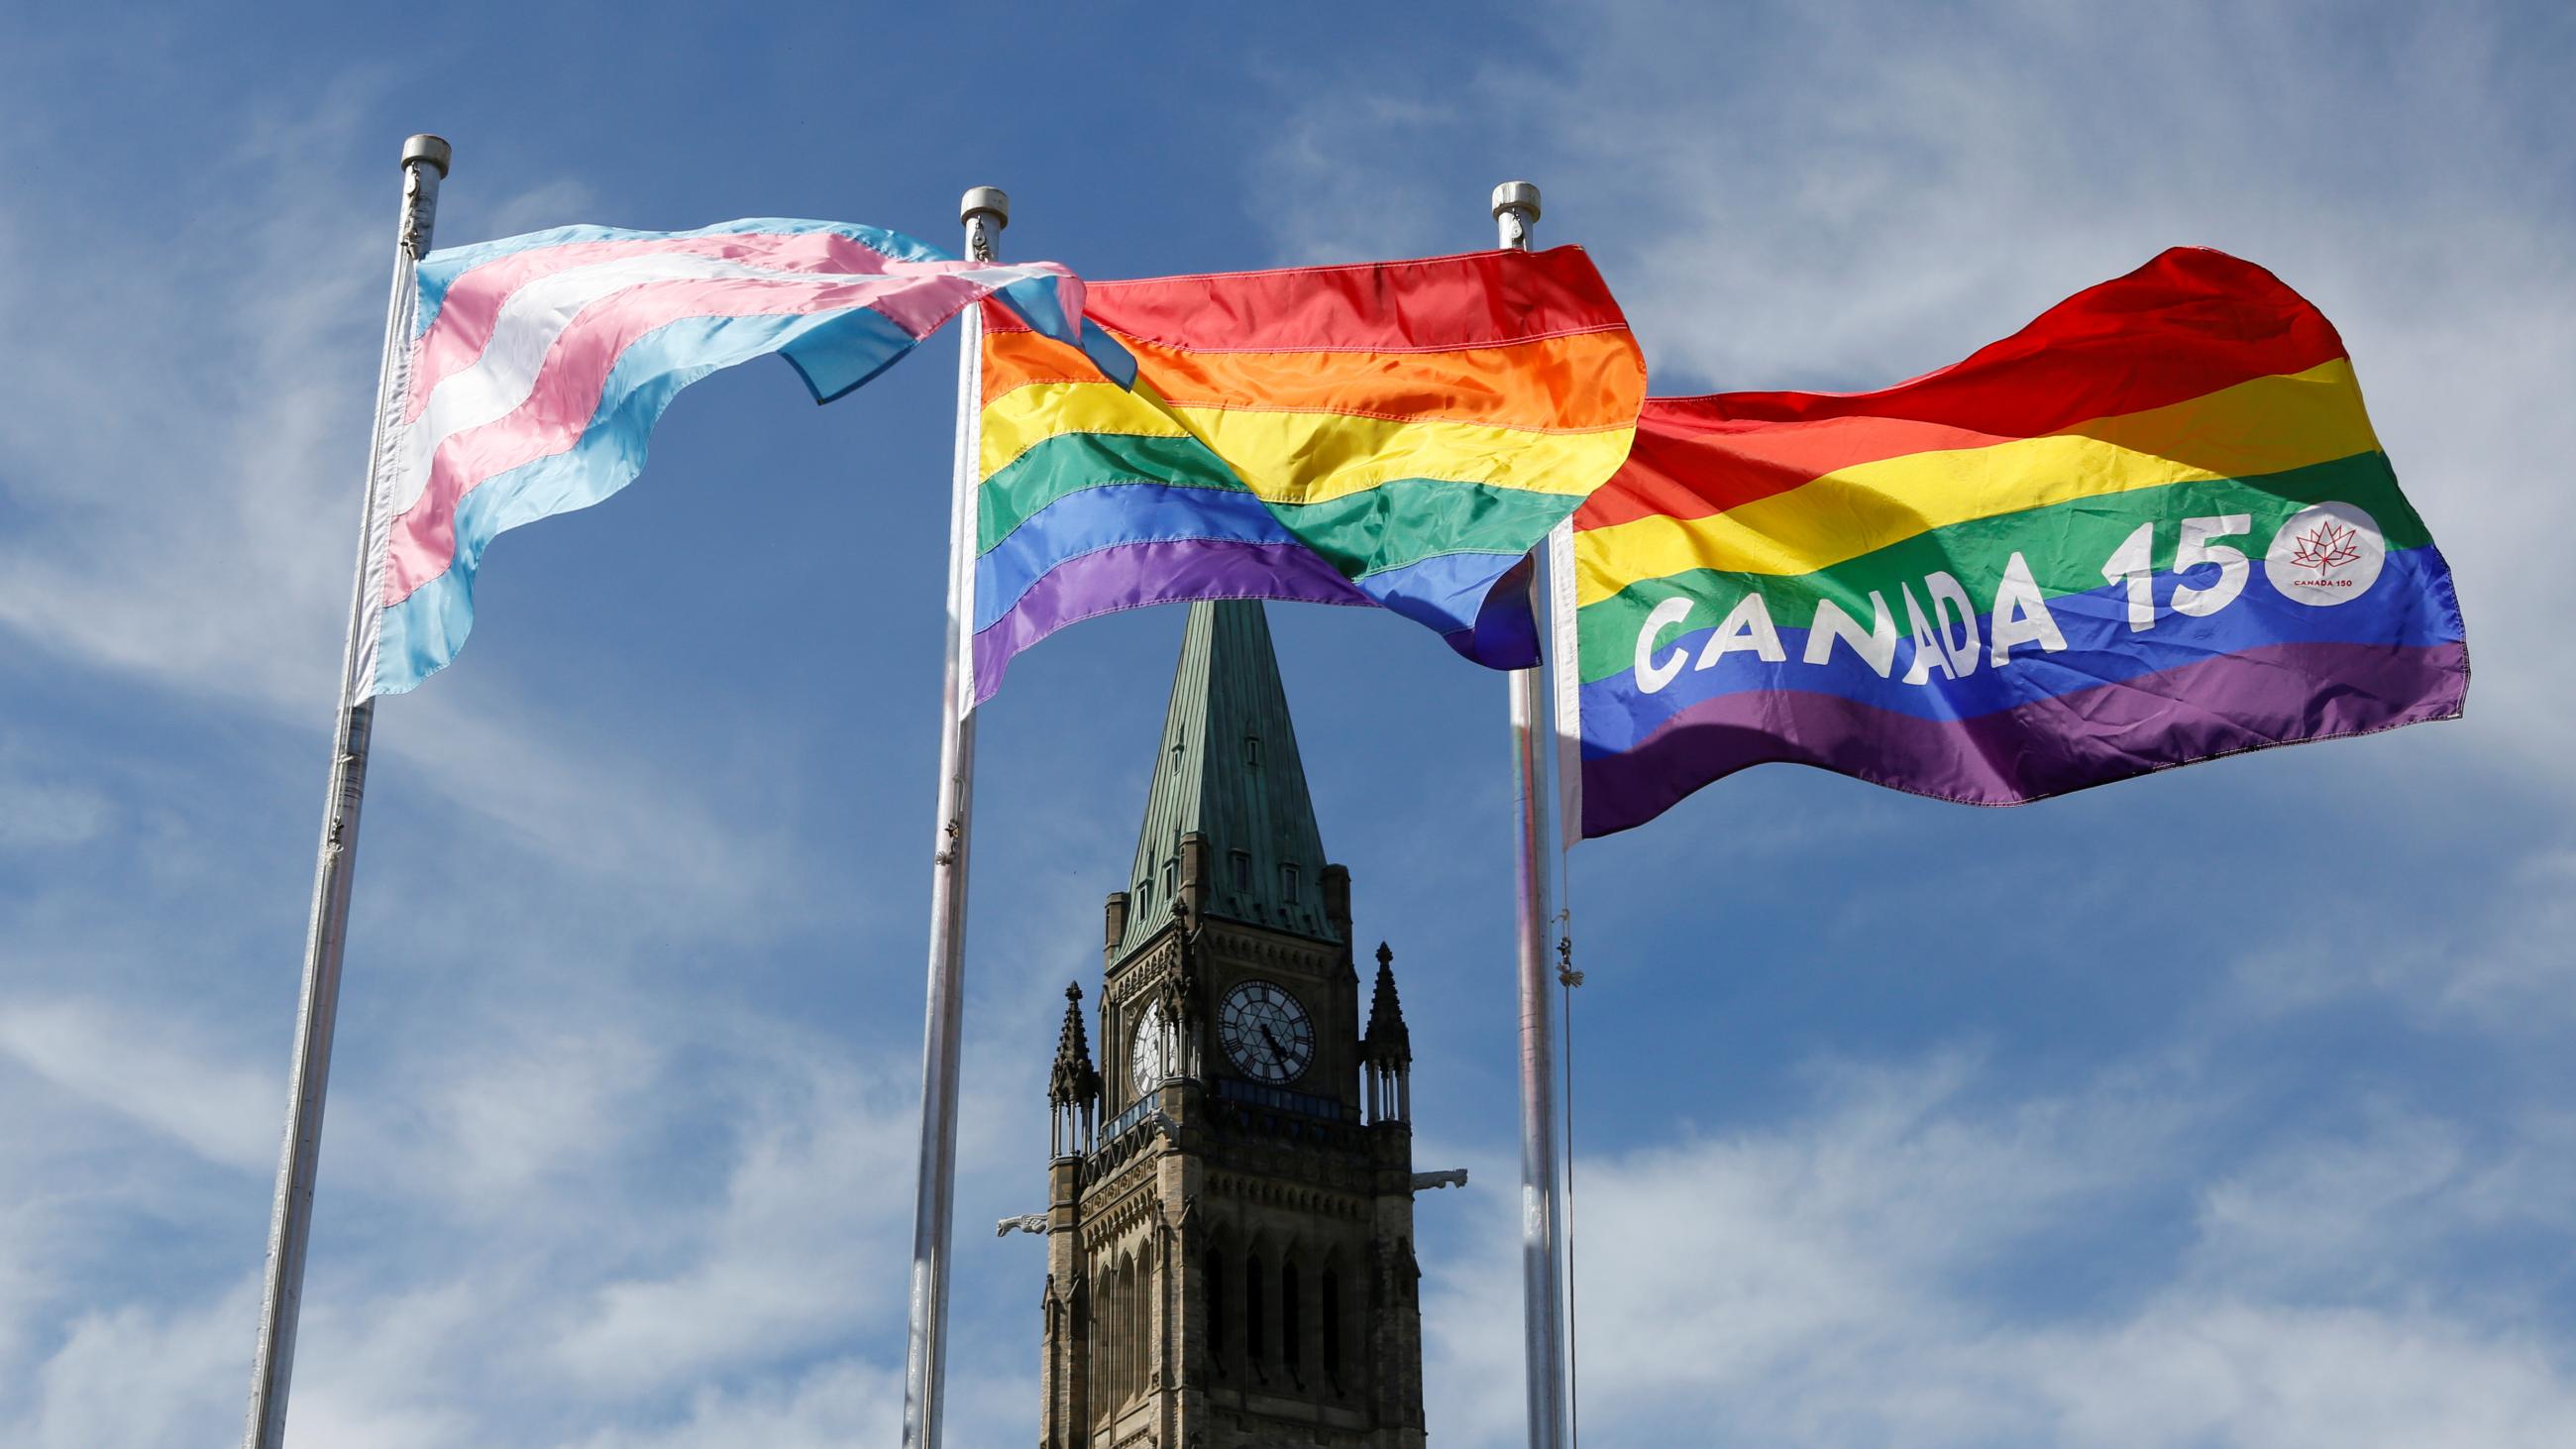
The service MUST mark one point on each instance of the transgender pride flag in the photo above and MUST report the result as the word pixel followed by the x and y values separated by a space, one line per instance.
pixel 538 365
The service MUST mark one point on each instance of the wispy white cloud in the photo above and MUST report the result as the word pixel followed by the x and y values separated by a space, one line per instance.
pixel 2498 962
pixel 1833 1278
pixel 840 1403
pixel 38 814
pixel 802 1243
pixel 150 1072
pixel 136 1378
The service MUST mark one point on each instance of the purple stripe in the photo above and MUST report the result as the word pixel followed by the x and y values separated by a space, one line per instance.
pixel 1133 575
pixel 2274 695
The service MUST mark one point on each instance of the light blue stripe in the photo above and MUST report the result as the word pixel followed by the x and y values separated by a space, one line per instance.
pixel 1092 519
pixel 844 349
pixel 1106 353
pixel 423 632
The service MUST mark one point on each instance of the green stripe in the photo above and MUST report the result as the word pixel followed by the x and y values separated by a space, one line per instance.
pixel 1401 521
pixel 2064 544
pixel 1070 462
pixel 1406 520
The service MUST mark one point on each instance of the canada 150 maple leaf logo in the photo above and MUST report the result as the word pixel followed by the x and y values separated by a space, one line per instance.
pixel 2325 555
pixel 2326 545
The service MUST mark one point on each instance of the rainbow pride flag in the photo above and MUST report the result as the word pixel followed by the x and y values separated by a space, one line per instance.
pixel 1397 434
pixel 539 364
pixel 2152 527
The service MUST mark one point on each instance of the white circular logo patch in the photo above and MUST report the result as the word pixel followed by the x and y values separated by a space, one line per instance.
pixel 2328 554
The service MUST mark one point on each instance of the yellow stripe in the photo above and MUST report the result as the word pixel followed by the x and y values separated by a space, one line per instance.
pixel 2264 426
pixel 1026 416
pixel 1309 457
pixel 1318 457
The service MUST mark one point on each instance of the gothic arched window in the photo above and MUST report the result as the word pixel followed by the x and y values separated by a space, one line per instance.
pixel 1098 1359
pixel 1131 1328
pixel 1213 1269
pixel 1288 1314
pixel 1252 1346
pixel 1332 1322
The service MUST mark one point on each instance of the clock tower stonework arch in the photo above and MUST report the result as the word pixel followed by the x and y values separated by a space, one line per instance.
pixel 1230 1259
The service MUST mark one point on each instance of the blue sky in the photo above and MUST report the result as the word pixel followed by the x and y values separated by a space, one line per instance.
pixel 2224 1108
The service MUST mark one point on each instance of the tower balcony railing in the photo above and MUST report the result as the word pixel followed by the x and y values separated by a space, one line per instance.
pixel 1137 1112
pixel 1266 1105
pixel 1280 1099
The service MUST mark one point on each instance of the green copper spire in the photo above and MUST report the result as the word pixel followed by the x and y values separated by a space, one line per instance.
pixel 1228 769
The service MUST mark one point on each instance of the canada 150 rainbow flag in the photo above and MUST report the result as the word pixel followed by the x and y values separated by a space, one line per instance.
pixel 538 365
pixel 2152 527
pixel 1397 434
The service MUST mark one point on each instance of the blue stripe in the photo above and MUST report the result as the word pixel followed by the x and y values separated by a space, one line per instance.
pixel 1505 635
pixel 1446 592
pixel 2410 605
pixel 1091 519
pixel 440 269
pixel 423 632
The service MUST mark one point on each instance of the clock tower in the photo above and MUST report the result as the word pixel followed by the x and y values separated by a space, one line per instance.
pixel 1230 1202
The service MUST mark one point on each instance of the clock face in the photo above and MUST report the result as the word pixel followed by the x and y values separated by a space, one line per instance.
pixel 1266 1032
pixel 1146 1066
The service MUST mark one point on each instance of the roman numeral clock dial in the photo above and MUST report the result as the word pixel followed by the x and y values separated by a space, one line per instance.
pixel 1147 1064
pixel 1266 1032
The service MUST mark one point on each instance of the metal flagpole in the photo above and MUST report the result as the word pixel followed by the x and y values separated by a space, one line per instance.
pixel 425 161
pixel 985 210
pixel 1542 1314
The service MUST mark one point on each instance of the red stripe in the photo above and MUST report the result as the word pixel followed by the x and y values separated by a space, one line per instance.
pixel 1476 300
pixel 1680 473
pixel 2186 324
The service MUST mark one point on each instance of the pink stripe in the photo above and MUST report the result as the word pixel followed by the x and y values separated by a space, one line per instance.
pixel 474 300
pixel 567 393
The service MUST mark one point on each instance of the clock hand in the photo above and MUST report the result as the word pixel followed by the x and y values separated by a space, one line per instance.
pixel 1274 1043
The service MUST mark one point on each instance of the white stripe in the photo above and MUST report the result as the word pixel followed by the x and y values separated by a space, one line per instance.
pixel 963 487
pixel 393 393
pixel 1566 659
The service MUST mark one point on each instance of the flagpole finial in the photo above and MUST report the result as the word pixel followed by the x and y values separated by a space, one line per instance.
pixel 1516 196
pixel 431 149
pixel 990 201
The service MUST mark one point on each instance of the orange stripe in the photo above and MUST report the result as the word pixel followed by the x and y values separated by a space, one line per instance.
pixel 1560 384
pixel 1017 359
pixel 1681 469
pixel 1574 383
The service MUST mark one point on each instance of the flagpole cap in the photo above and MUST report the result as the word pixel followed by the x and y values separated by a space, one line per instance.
pixel 1516 196
pixel 433 150
pixel 990 201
